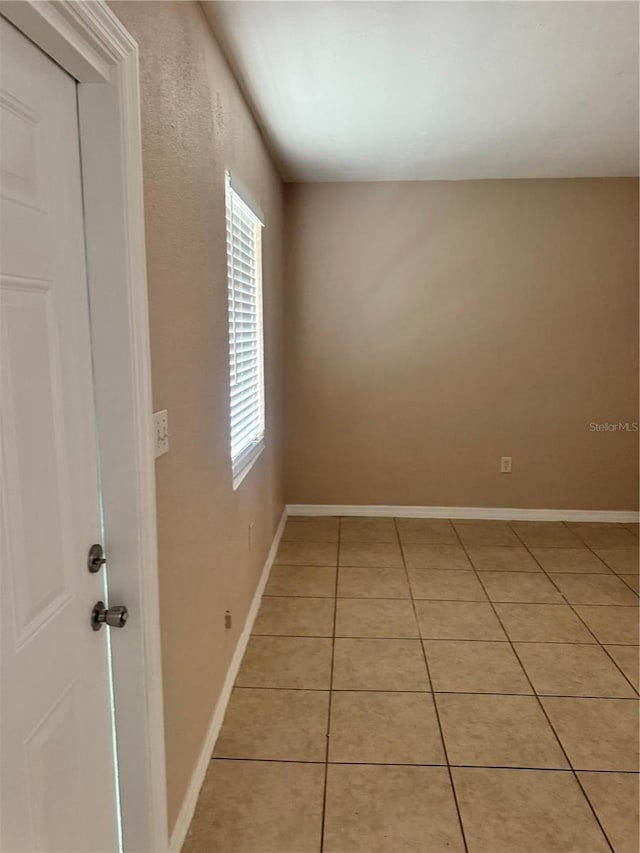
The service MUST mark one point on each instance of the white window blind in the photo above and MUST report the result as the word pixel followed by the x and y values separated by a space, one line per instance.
pixel 246 367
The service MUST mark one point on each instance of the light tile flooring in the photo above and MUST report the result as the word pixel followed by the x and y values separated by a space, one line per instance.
pixel 421 686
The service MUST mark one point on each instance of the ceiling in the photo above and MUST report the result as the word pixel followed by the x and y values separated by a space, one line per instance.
pixel 372 91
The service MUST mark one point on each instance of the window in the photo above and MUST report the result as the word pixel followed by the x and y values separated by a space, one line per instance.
pixel 244 274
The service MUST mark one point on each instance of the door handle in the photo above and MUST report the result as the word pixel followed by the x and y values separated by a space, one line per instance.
pixel 115 617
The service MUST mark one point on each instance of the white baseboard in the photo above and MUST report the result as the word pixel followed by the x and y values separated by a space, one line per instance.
pixel 481 512
pixel 191 797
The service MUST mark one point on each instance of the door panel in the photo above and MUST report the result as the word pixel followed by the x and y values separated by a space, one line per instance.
pixel 52 744
pixel 41 581
pixel 57 765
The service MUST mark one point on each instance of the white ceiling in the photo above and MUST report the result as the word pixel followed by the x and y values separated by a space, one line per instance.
pixel 358 91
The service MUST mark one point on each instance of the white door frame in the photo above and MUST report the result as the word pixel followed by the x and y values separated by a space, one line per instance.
pixel 86 39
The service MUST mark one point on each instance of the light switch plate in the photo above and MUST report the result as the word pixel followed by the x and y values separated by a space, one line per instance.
pixel 161 431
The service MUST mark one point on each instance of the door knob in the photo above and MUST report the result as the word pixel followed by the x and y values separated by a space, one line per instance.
pixel 115 617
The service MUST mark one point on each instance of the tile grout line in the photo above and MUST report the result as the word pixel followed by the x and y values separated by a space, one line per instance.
pixel 434 692
pixel 433 698
pixel 468 600
pixel 575 612
pixel 633 773
pixel 622 578
pixel 333 652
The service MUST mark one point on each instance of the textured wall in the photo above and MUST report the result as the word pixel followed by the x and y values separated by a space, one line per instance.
pixel 432 328
pixel 195 124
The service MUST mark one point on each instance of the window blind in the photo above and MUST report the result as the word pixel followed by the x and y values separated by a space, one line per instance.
pixel 246 367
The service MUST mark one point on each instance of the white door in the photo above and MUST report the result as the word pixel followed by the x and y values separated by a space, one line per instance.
pixel 58 780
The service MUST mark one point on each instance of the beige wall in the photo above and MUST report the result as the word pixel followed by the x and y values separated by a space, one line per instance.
pixel 195 125
pixel 432 328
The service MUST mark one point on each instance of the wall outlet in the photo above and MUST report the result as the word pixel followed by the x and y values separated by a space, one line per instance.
pixel 161 432
pixel 505 464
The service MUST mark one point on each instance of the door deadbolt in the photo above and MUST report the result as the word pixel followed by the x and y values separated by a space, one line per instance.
pixel 115 617
pixel 96 558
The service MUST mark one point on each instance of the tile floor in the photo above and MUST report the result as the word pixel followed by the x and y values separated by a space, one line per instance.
pixel 422 686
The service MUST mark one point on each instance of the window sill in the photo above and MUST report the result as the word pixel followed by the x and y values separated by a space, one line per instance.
pixel 248 464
